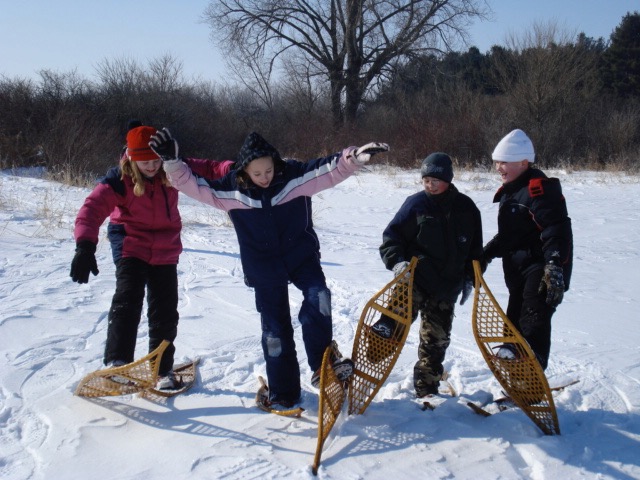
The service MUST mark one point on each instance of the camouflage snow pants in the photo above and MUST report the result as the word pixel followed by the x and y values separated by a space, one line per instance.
pixel 436 318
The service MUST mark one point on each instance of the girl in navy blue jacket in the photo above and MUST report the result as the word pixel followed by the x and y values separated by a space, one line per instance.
pixel 269 202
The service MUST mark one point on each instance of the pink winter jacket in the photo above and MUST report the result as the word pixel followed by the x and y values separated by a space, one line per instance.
pixel 148 226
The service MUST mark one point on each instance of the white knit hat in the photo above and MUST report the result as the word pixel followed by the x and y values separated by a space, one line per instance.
pixel 514 147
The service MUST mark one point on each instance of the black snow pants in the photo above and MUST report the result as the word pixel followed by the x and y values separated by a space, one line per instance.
pixel 528 310
pixel 161 282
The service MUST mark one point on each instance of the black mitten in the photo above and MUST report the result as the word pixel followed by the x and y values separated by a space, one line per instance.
pixel 84 262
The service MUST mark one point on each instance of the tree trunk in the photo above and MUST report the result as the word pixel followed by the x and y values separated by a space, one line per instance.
pixel 354 53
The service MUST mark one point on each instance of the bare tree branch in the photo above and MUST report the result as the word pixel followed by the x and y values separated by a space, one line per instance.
pixel 355 42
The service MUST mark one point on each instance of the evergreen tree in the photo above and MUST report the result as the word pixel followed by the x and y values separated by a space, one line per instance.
pixel 621 65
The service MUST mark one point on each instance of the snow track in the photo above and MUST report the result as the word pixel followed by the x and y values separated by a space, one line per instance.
pixel 52 333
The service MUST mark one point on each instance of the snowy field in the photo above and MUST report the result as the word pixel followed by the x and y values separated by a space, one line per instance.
pixel 52 333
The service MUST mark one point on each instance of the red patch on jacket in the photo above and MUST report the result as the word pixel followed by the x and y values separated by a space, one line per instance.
pixel 535 187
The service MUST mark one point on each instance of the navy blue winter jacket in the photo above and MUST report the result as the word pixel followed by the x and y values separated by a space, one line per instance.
pixel 444 233
pixel 274 225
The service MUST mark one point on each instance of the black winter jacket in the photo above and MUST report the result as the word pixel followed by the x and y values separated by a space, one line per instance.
pixel 534 227
pixel 444 232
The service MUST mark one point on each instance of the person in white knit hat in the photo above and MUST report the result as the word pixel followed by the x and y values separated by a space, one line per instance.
pixel 534 240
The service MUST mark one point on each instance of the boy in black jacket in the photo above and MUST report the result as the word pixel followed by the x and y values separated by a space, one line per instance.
pixel 534 240
pixel 443 228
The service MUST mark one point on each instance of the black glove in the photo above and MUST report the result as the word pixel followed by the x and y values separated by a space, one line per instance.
pixel 164 145
pixel 490 251
pixel 484 263
pixel 467 288
pixel 553 282
pixel 84 262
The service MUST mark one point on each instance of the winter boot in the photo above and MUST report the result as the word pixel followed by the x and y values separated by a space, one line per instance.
pixel 169 381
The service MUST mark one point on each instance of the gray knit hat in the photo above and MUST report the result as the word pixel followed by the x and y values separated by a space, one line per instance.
pixel 437 165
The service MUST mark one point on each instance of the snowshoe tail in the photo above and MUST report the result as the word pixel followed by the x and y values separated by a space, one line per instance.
pixel 124 380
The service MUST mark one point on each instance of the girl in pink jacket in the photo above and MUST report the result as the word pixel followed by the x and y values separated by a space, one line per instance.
pixel 144 232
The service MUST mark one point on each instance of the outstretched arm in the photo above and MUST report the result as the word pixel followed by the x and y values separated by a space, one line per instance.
pixel 323 173
pixel 209 169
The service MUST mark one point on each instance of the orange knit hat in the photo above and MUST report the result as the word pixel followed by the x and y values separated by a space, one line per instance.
pixel 138 148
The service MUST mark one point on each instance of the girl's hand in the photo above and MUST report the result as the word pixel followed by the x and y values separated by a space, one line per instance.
pixel 164 145
pixel 363 154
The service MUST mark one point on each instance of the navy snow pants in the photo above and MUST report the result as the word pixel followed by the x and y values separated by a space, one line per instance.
pixel 272 302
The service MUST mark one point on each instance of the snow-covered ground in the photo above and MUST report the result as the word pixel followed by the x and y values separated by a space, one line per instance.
pixel 52 333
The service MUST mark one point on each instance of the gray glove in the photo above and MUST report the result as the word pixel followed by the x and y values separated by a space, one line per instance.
pixel 363 154
pixel 553 282
pixel 467 288
pixel 164 145
pixel 399 267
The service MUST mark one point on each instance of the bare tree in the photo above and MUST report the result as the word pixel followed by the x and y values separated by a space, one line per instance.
pixel 298 87
pixel 62 86
pixel 122 76
pixel 165 73
pixel 550 83
pixel 353 44
pixel 254 73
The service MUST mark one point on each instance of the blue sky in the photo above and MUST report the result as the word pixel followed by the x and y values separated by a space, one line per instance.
pixel 63 35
